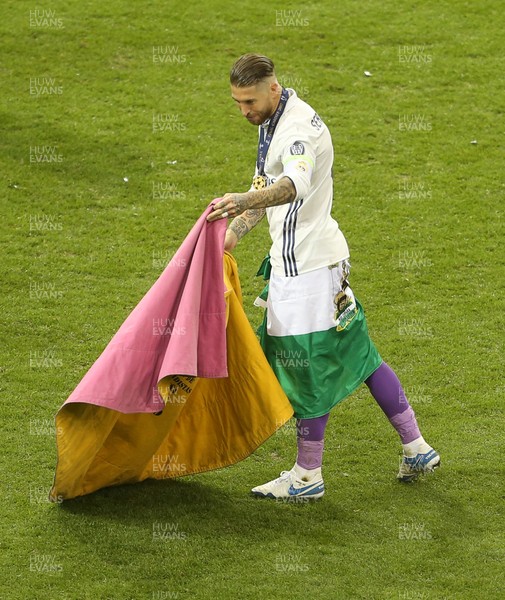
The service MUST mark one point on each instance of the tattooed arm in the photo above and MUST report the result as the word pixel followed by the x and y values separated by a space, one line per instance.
pixel 280 192
pixel 231 205
pixel 242 225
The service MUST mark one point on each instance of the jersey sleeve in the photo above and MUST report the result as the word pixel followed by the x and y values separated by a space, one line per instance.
pixel 299 162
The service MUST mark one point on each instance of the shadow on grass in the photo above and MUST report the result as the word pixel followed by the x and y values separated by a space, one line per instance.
pixel 195 506
pixel 156 496
pixel 222 524
pixel 215 506
pixel 171 498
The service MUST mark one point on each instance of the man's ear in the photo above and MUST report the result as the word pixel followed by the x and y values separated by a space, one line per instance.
pixel 275 88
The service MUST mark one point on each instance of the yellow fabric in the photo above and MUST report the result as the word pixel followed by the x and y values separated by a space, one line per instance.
pixel 219 423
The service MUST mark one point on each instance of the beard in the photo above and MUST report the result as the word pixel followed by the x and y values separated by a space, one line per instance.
pixel 260 116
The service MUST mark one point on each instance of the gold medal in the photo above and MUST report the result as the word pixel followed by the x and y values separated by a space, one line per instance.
pixel 259 182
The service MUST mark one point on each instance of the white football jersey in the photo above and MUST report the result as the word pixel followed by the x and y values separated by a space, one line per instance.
pixel 304 234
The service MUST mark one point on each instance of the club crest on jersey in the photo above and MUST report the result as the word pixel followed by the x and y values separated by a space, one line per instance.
pixel 297 149
pixel 301 165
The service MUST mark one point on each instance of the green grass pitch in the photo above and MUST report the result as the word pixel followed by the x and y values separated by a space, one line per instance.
pixel 117 129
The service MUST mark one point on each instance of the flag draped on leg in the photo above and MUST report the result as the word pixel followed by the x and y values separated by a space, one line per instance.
pixel 315 337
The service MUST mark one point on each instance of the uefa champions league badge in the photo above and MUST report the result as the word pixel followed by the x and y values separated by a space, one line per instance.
pixel 259 182
pixel 297 149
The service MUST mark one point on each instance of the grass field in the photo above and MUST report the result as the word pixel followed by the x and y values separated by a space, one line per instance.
pixel 117 130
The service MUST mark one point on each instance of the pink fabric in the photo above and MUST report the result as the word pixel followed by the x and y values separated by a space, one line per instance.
pixel 178 328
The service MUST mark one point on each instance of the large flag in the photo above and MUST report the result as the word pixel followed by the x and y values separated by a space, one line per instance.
pixel 186 351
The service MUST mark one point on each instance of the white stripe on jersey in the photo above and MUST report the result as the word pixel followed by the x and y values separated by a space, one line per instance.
pixel 288 241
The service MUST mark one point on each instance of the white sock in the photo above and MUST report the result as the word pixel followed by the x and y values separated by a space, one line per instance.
pixel 417 446
pixel 307 474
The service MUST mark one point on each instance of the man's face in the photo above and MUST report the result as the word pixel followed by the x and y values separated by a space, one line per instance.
pixel 257 102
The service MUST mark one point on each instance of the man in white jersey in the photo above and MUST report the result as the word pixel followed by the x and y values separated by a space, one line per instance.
pixel 314 333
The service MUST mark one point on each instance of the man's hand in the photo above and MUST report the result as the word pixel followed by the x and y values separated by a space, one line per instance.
pixel 230 205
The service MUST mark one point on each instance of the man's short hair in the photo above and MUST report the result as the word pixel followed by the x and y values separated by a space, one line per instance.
pixel 250 69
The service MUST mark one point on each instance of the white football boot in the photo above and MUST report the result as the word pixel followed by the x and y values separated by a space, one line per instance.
pixel 413 466
pixel 291 486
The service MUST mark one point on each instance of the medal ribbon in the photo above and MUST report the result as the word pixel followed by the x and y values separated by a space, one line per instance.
pixel 266 140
